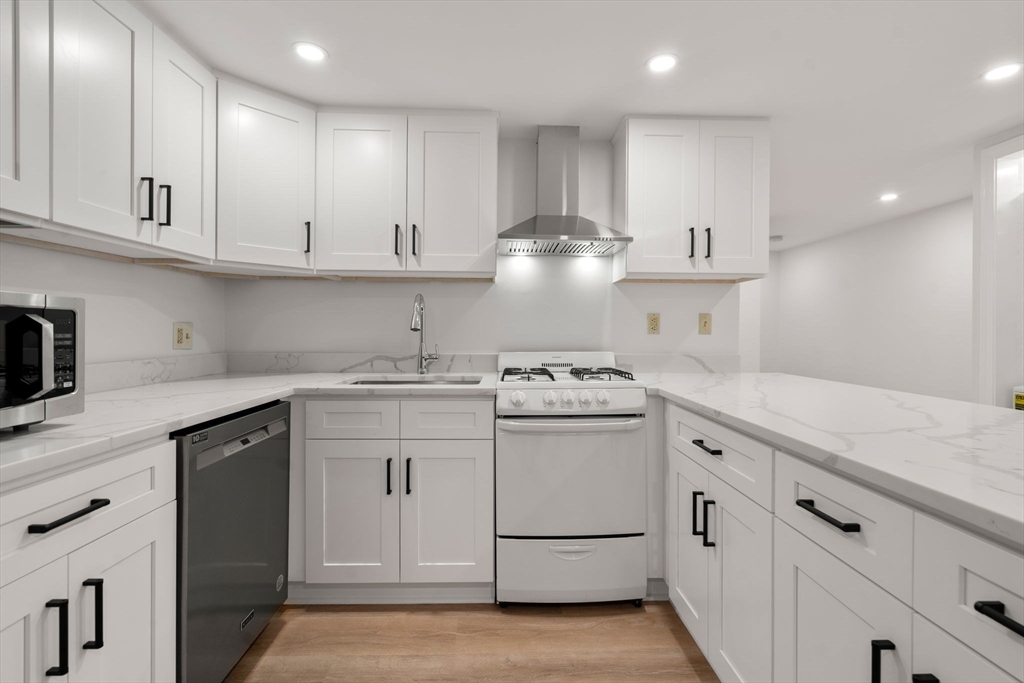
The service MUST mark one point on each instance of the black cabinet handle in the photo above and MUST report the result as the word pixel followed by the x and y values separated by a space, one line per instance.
pixel 408 472
pixel 168 223
pixel 98 642
pixel 706 542
pixel 996 611
pixel 308 231
pixel 808 504
pixel 924 678
pixel 876 658
pixel 413 239
pixel 397 235
pixel 699 443
pixel 62 668
pixel 694 520
pixel 389 475
pixel 693 242
pixel 94 504
pixel 152 207
pixel 708 231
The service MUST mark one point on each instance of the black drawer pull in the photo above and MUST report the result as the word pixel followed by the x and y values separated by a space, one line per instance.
pixel 848 527
pixel 98 642
pixel 694 520
pixel 699 443
pixel 706 542
pixel 996 611
pixel 693 242
pixel 924 678
pixel 168 223
pixel 876 658
pixel 408 473
pixel 94 504
pixel 62 668
pixel 389 475
pixel 149 180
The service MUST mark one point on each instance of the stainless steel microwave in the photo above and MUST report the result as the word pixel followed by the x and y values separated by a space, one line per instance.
pixel 42 358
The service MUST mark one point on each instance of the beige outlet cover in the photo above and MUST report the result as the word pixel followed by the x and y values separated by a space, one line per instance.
pixel 182 336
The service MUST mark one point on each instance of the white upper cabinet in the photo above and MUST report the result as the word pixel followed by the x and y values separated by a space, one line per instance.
pixel 662 195
pixel 265 169
pixel 361 176
pixel 25 107
pixel 695 197
pixel 102 117
pixel 734 196
pixel 453 185
pixel 184 150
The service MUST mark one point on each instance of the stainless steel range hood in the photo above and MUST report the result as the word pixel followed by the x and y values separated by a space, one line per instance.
pixel 558 229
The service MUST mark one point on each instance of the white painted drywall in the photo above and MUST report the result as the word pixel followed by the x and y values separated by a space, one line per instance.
pixel 888 305
pixel 130 309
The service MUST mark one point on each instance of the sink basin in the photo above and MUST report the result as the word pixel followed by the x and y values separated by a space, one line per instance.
pixel 415 380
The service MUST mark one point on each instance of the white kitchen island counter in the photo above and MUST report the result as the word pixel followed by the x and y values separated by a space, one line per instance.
pixel 959 460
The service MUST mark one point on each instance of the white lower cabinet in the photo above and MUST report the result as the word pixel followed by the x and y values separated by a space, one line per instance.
pixel 352 507
pixel 686 563
pixel 447 511
pixel 30 616
pixel 948 660
pixel 831 623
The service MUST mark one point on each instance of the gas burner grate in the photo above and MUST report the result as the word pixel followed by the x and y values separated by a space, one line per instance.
pixel 526 374
pixel 599 374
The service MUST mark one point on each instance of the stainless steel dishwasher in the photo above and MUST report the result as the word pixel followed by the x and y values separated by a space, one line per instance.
pixel 232 536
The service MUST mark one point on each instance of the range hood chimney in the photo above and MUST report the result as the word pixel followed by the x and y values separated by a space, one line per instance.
pixel 558 229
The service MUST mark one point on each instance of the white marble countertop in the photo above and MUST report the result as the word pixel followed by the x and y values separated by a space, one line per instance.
pixel 963 461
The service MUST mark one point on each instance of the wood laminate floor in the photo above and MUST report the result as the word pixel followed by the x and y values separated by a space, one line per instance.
pixel 610 642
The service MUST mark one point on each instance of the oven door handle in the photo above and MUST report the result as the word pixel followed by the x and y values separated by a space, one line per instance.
pixel 569 426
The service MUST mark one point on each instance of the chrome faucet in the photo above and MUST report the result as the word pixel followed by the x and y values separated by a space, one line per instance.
pixel 418 324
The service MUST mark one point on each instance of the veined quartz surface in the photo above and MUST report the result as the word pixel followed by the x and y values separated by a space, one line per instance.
pixel 963 461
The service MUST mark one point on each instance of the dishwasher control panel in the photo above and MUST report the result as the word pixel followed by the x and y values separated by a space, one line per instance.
pixel 249 439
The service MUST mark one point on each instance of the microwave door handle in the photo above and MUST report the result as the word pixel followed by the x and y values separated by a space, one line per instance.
pixel 571 426
pixel 44 328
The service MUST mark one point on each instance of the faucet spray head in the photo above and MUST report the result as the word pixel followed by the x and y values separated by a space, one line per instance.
pixel 417 314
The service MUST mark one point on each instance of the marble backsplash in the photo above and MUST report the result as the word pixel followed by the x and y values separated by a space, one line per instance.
pixel 134 373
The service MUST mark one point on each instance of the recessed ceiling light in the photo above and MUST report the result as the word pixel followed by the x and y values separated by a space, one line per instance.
pixel 663 62
pixel 313 53
pixel 1001 72
pixel 888 196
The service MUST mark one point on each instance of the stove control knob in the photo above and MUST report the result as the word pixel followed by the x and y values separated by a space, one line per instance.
pixel 568 398
pixel 585 398
pixel 518 399
pixel 550 398
pixel 603 397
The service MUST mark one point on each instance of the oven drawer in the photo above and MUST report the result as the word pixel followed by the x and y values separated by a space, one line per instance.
pixel 570 477
pixel 571 570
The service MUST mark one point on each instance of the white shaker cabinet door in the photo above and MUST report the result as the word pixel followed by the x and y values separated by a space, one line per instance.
pixel 25 107
pixel 103 117
pixel 360 176
pixel 734 170
pixel 128 576
pixel 453 186
pixel 265 166
pixel 830 621
pixel 687 559
pixel 184 150
pixel 352 508
pixel 30 612
pixel 950 661
pixel 661 196
pixel 447 511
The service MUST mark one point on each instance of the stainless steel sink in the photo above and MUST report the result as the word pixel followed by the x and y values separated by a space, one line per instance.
pixel 414 380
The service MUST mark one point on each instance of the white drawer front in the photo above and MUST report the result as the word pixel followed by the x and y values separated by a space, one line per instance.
pixel 881 549
pixel 741 462
pixel 571 570
pixel 134 484
pixel 953 570
pixel 447 419
pixel 352 419
pixel 950 661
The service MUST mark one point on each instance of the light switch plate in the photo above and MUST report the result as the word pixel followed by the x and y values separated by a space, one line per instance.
pixel 182 336
pixel 704 323
pixel 654 323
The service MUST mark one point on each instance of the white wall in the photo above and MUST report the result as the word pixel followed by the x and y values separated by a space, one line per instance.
pixel 888 305
pixel 129 309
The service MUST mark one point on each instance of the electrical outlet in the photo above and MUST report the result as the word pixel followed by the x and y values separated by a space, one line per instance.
pixel 654 323
pixel 182 336
pixel 704 323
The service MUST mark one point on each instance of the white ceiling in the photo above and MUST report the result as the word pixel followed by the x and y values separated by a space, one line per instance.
pixel 865 97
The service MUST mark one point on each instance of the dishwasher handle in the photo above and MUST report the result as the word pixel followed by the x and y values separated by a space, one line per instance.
pixel 571 426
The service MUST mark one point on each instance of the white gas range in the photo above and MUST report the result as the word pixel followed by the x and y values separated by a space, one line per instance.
pixel 570 478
